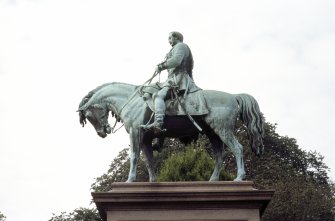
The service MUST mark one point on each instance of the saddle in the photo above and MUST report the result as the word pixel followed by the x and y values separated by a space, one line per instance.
pixel 192 103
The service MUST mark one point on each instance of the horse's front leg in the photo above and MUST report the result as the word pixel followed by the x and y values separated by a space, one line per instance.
pixel 134 153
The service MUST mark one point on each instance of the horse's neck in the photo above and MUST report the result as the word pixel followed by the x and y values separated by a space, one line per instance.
pixel 118 95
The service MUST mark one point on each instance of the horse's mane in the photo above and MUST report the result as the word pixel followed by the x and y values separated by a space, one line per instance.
pixel 124 84
pixel 93 92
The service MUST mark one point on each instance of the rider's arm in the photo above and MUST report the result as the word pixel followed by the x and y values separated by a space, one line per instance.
pixel 179 52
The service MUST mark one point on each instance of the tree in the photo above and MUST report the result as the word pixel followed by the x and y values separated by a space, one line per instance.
pixel 193 163
pixel 117 172
pixel 2 217
pixel 80 214
pixel 119 168
pixel 303 189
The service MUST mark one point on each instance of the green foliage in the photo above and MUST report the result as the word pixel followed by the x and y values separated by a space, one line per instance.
pixel 194 163
pixel 200 169
pixel 119 168
pixel 2 217
pixel 303 191
pixel 118 172
pixel 190 165
pixel 80 214
pixel 297 199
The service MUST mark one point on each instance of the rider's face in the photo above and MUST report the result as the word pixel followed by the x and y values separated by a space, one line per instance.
pixel 172 40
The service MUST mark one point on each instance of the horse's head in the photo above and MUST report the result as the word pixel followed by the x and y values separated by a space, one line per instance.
pixel 97 115
pixel 95 106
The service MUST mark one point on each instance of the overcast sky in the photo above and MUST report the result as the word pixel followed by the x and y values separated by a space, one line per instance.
pixel 52 52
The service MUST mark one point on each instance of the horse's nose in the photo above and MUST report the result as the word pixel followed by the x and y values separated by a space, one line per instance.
pixel 102 134
pixel 108 129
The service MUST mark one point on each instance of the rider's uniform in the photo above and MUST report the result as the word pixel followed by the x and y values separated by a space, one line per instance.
pixel 179 64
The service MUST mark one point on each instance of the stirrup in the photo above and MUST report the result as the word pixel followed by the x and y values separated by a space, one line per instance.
pixel 156 127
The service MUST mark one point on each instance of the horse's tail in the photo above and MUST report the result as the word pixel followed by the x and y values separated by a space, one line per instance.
pixel 253 119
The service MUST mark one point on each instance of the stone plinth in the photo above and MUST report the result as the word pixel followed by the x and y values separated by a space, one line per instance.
pixel 186 201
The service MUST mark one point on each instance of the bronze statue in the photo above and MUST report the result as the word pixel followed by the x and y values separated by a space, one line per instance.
pixel 179 63
pixel 181 110
pixel 127 105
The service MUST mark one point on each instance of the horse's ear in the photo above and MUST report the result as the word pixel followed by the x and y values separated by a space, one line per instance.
pixel 85 106
pixel 82 108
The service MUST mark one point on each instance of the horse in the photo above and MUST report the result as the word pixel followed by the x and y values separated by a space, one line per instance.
pixel 126 105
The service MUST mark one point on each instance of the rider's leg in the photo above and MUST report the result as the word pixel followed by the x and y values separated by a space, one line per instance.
pixel 159 109
pixel 160 100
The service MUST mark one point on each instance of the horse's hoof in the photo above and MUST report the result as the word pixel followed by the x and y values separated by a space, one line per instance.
pixel 213 179
pixel 130 180
pixel 239 178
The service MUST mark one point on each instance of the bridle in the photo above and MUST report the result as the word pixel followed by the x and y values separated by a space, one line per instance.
pixel 105 125
pixel 138 90
pixel 117 119
pixel 113 130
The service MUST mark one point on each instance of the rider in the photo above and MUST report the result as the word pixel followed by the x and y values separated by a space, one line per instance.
pixel 179 64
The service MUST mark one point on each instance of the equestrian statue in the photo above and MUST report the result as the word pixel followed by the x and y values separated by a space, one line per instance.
pixel 175 108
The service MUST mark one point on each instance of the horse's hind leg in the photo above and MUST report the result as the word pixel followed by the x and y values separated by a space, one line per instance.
pixel 237 149
pixel 218 146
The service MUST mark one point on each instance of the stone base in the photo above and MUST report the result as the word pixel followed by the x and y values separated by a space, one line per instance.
pixel 186 201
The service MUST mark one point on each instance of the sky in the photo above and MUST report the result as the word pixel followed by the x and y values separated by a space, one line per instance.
pixel 52 53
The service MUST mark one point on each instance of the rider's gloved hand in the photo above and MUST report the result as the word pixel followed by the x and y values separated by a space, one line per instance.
pixel 160 67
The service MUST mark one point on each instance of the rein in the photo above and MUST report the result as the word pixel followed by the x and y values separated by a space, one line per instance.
pixel 113 128
pixel 139 89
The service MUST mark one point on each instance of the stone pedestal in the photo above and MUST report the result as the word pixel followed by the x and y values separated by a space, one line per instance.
pixel 183 201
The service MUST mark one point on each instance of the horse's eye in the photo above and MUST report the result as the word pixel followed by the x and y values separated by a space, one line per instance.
pixel 88 114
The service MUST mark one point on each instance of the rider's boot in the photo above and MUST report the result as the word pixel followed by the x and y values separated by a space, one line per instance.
pixel 157 125
pixel 159 103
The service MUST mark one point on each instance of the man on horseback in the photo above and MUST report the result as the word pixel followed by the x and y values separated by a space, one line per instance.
pixel 179 64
